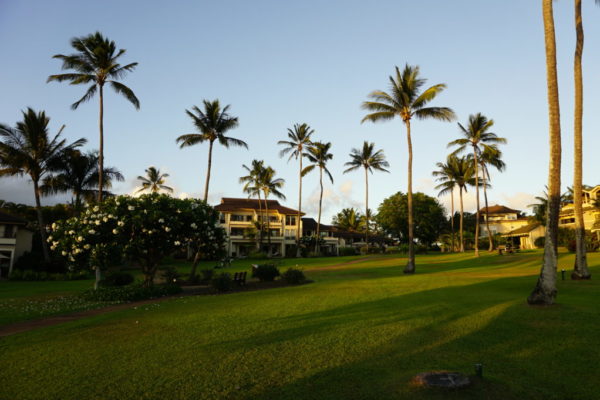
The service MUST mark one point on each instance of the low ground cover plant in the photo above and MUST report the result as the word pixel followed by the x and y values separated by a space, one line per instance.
pixel 134 292
pixel 265 272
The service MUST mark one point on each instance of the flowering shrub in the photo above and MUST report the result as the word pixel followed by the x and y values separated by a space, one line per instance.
pixel 143 229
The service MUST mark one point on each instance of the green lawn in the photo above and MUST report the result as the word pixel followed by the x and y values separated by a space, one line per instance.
pixel 361 331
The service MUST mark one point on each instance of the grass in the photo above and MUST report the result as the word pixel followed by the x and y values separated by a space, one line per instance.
pixel 361 331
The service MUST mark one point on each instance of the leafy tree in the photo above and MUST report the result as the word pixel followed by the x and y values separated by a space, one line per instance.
pixel 154 181
pixel 406 100
pixel 212 124
pixel 431 222
pixel 349 219
pixel 78 173
pixel 477 136
pixel 29 149
pixel 96 62
pixel 296 146
pixel 370 160
pixel 318 154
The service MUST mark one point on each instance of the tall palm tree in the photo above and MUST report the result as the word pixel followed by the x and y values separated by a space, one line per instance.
pixel 463 174
pixel 490 156
pixel 446 176
pixel 545 288
pixel 29 149
pixel 477 136
pixel 78 173
pixel 270 186
pixel 154 181
pixel 318 154
pixel 296 146
pixel 96 62
pixel 252 186
pixel 406 100
pixel 370 160
pixel 212 124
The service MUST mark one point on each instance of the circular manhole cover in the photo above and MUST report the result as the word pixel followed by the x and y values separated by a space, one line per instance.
pixel 442 379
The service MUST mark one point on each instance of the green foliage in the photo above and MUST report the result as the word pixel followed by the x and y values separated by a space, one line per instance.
pixel 170 274
pixel 207 274
pixel 347 251
pixel 222 282
pixel 117 278
pixel 429 217
pixel 539 242
pixel 293 276
pixel 130 292
pixel 257 255
pixel 265 272
pixel 30 275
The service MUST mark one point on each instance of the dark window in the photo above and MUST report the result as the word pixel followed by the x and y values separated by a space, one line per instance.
pixel 290 220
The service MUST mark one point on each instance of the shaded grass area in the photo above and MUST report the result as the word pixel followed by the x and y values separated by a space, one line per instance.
pixel 361 331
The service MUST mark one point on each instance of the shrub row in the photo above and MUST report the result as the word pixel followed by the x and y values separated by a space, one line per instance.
pixel 130 293
pixel 29 275
pixel 265 273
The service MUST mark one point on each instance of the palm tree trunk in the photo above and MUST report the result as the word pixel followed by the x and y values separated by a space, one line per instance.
pixel 210 148
pixel 317 245
pixel 487 213
pixel 40 217
pixel 101 145
pixel 580 270
pixel 367 209
pixel 410 265
pixel 476 201
pixel 460 225
pixel 545 289
pixel 452 218
pixel 260 224
pixel 268 226
pixel 298 254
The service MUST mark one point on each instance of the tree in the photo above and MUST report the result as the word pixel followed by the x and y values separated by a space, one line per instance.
pixel 28 149
pixel 78 173
pixel 477 136
pixel 299 141
pixel 318 154
pixel 349 219
pixel 544 291
pixel 270 185
pixel 96 61
pixel 463 175
pixel 370 160
pixel 252 186
pixel 212 124
pixel 445 175
pixel 430 217
pixel 406 101
pixel 490 156
pixel 154 181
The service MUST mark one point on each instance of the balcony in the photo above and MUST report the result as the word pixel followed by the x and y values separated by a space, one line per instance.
pixel 11 241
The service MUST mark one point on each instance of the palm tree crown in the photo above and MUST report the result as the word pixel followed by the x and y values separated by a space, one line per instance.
pixel 252 181
pixel 318 154
pixel 367 158
pixel 154 181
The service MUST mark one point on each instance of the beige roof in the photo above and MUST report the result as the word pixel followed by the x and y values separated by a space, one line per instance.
pixel 522 231
pixel 237 204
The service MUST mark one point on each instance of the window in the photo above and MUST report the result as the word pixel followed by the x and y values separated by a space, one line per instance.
pixel 221 218
pixel 240 218
pixel 237 231
pixel 290 220
pixel 9 231
pixel 275 232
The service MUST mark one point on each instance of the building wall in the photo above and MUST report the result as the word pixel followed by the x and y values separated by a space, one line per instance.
pixel 502 226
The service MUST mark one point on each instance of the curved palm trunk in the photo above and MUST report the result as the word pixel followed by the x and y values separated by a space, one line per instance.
pixel 487 213
pixel 298 254
pixel 410 265
pixel 462 241
pixel 545 289
pixel 367 209
pixel 206 184
pixel 40 217
pixel 452 218
pixel 580 270
pixel 476 201
pixel 101 146
pixel 317 245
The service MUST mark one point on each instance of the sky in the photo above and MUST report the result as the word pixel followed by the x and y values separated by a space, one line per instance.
pixel 280 63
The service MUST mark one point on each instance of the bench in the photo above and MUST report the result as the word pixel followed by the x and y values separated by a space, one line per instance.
pixel 240 278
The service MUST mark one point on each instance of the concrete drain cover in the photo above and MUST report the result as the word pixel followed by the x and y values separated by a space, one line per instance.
pixel 442 379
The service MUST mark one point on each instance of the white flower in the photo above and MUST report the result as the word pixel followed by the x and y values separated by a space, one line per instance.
pixel 97 222
pixel 71 258
pixel 52 248
pixel 178 211
pixel 118 202
pixel 55 244
pixel 193 225
pixel 131 208
pixel 145 211
pixel 80 239
pixel 105 219
pixel 96 209
pixel 54 225
pixel 115 231
pixel 167 229
pixel 64 253
pixel 120 223
pixel 177 243
pixel 162 221
pixel 71 232
pixel 91 231
pixel 49 239
pixel 87 246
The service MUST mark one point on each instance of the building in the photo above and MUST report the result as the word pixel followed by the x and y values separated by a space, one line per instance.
pixel 501 220
pixel 241 217
pixel 525 236
pixel 591 211
pixel 331 244
pixel 15 239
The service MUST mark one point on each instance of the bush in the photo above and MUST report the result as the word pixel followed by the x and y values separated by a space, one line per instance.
pixel 222 282
pixel 29 275
pixel 347 251
pixel 130 293
pixel 117 278
pixel 392 250
pixel 170 274
pixel 539 242
pixel 293 276
pixel 257 255
pixel 265 272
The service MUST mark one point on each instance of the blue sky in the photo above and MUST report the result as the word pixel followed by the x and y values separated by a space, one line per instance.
pixel 279 63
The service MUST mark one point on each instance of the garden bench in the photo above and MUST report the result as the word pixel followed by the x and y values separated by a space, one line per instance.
pixel 240 278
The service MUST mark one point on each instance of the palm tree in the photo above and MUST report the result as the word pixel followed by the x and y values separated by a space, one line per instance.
pixel 406 101
pixel 270 185
pixel 349 219
pixel 28 149
pixel 299 141
pixel 78 173
pixel 463 174
pixel 370 160
pixel 95 62
pixel 491 156
pixel 446 175
pixel 252 186
pixel 318 154
pixel 545 288
pixel 154 181
pixel 212 124
pixel 477 136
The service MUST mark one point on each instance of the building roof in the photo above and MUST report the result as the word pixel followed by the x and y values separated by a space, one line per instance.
pixel 6 218
pixel 523 231
pixel 237 204
pixel 498 209
pixel 309 224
